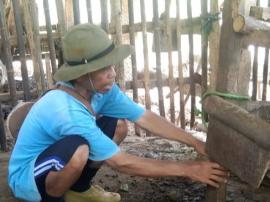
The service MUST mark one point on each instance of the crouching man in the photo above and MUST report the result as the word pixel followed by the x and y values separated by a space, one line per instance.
pixel 72 129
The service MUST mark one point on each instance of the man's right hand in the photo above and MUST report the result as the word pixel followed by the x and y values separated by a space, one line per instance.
pixel 207 172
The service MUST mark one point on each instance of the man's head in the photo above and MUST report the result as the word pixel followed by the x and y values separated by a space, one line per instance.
pixel 88 52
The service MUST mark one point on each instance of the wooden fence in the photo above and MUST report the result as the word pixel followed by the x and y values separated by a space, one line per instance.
pixel 118 18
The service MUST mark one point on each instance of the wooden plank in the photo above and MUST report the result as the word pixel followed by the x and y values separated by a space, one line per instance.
pixel 243 157
pixel 180 68
pixel 22 52
pixel 150 26
pixel 69 16
pixel 260 13
pixel 145 56
pixel 7 54
pixel 170 65
pixel 49 34
pixel 191 65
pixel 235 117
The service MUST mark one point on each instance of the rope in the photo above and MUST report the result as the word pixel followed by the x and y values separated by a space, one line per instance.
pixel 208 22
pixel 220 94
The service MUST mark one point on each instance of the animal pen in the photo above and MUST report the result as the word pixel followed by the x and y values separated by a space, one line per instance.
pixel 161 37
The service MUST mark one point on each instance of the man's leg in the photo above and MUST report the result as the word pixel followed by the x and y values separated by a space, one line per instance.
pixel 59 166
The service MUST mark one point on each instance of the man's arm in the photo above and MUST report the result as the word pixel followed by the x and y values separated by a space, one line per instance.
pixel 205 172
pixel 163 128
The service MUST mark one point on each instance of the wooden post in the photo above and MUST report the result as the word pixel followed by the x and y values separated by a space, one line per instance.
pixel 158 59
pixel 214 45
pixel 76 12
pixel 21 42
pixel 3 142
pixel 180 67
pixel 104 14
pixel 191 65
pixel 48 71
pixel 89 11
pixel 116 16
pixel 7 53
pixel 49 34
pixel 145 54
pixel 170 65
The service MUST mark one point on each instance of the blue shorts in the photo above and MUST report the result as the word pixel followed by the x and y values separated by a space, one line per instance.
pixel 56 156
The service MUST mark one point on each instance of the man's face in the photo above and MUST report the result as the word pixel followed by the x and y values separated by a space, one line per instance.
pixel 103 79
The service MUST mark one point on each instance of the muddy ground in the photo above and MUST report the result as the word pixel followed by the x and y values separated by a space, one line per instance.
pixel 139 189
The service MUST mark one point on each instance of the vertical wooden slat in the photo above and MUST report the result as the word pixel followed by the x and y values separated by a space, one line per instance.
pixel 76 12
pixel 265 69
pixel 180 66
pixel 89 11
pixel 145 56
pixel 48 71
pixel 3 142
pixel 21 42
pixel 104 14
pixel 158 59
pixel 61 28
pixel 116 19
pixel 255 74
pixel 7 53
pixel 170 65
pixel 32 29
pixel 49 35
pixel 69 14
pixel 191 64
pixel 61 17
pixel 133 56
pixel 265 73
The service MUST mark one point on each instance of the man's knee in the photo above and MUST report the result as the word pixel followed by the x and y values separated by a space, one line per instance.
pixel 120 131
pixel 79 158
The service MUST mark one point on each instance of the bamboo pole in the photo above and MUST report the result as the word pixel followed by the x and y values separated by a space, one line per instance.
pixel 191 65
pixel 7 53
pixel 158 59
pixel 49 34
pixel 32 29
pixel 116 19
pixel 170 65
pixel 89 11
pixel 76 12
pixel 104 15
pixel 180 67
pixel 146 57
pixel 21 42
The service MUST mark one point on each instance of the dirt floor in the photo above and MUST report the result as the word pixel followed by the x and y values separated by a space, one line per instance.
pixel 138 189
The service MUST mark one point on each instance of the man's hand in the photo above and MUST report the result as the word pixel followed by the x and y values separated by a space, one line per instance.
pixel 207 172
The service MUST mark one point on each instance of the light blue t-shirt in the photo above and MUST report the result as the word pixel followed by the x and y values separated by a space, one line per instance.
pixel 56 115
